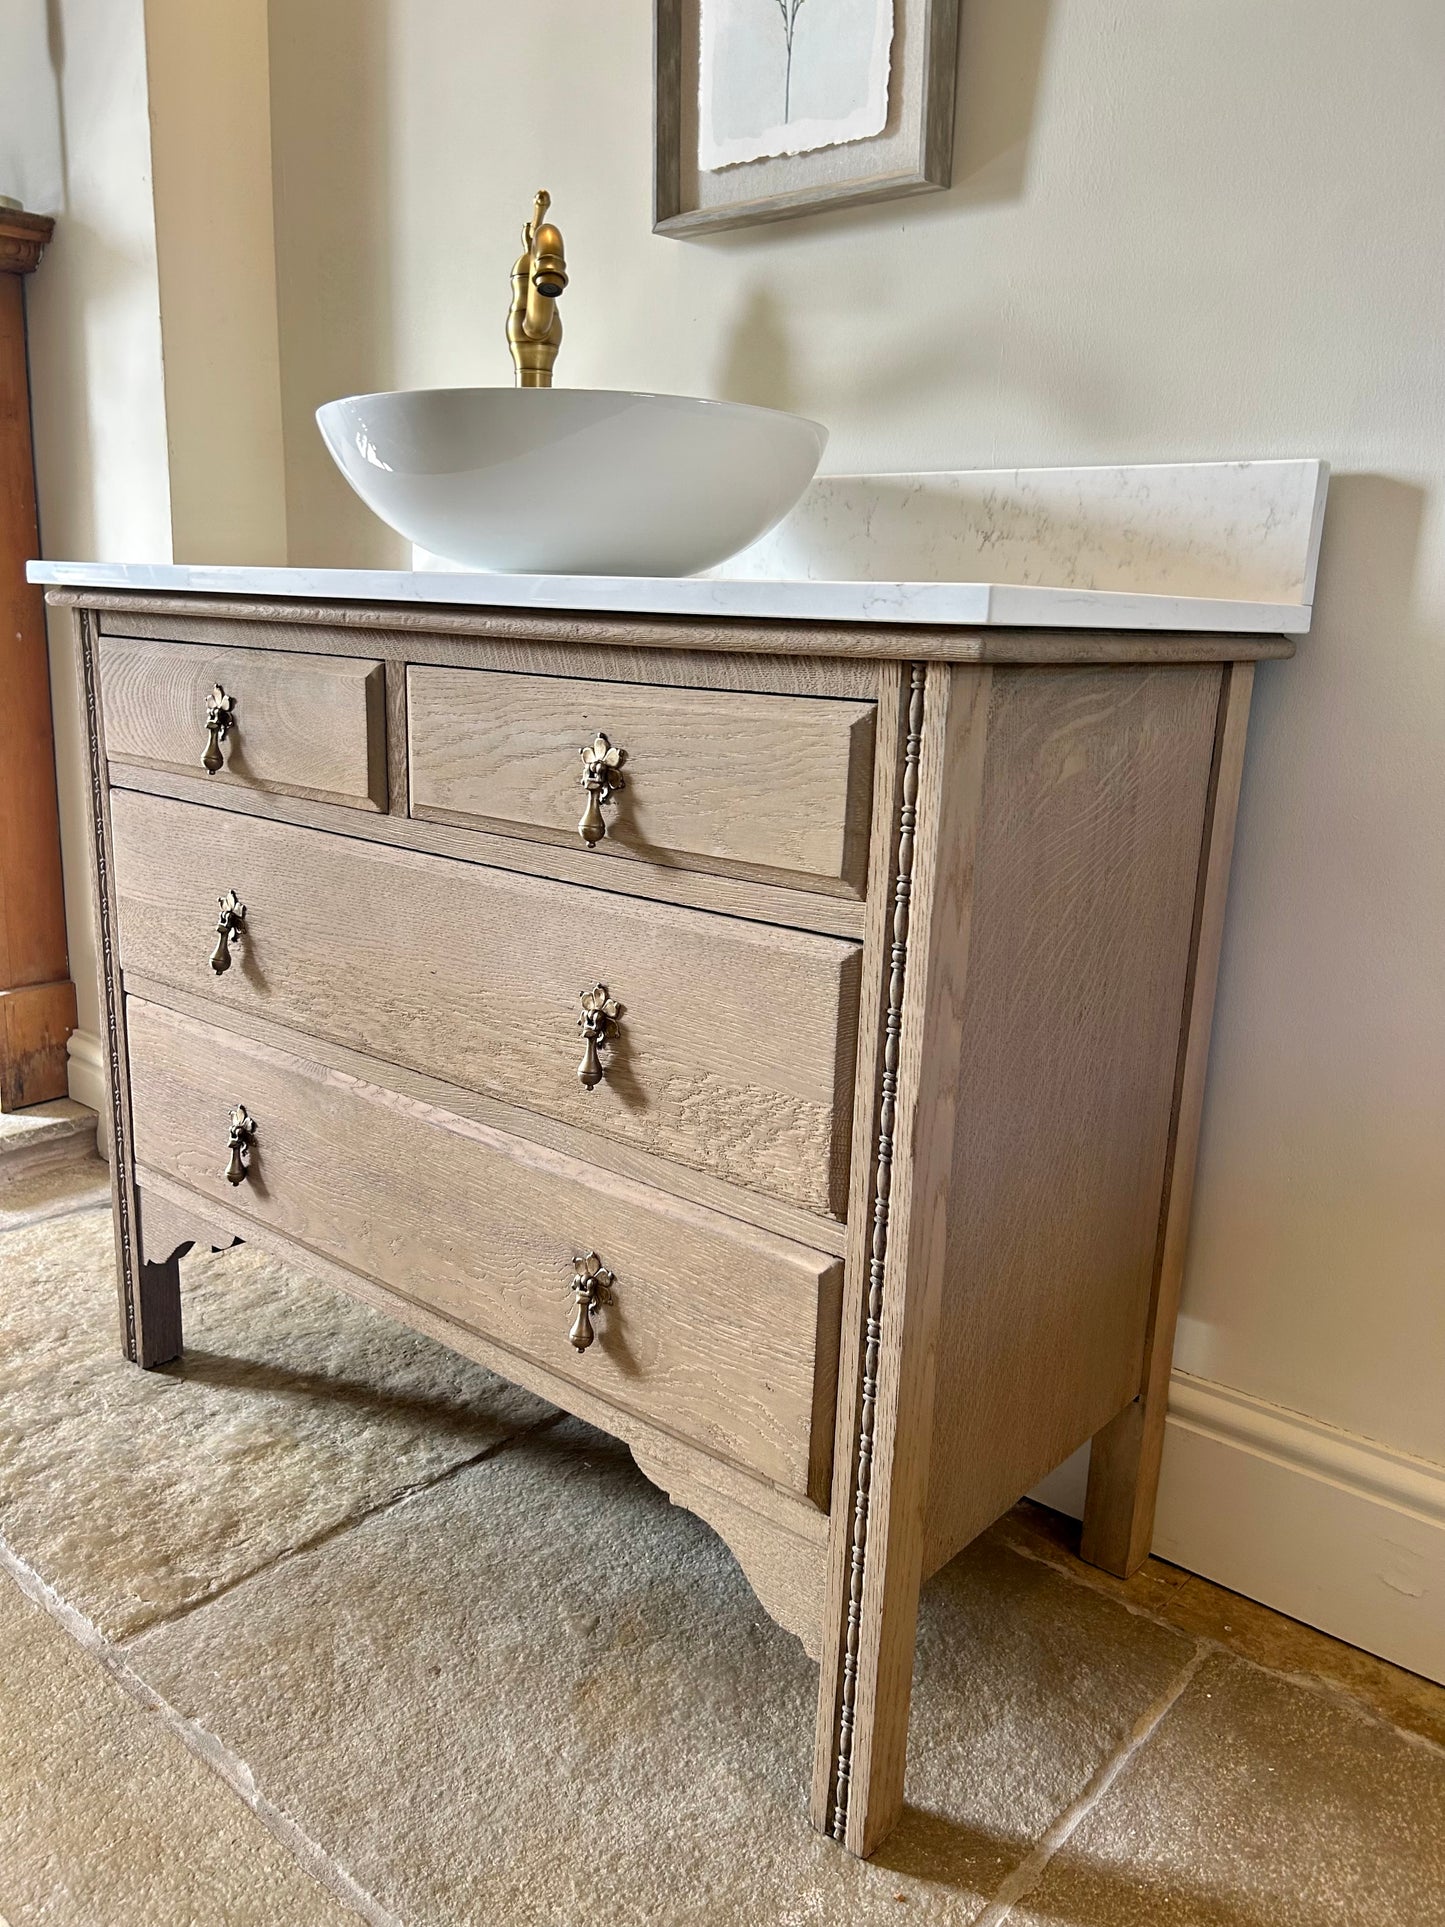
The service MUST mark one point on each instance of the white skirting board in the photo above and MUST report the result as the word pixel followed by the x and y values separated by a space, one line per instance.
pixel 85 1074
pixel 1333 1529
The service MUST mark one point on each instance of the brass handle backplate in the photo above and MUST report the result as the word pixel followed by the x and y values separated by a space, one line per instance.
pixel 220 719
pixel 592 1286
pixel 229 927
pixel 240 1140
pixel 600 763
pixel 598 1025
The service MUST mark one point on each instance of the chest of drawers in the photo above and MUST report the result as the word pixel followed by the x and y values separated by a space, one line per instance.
pixel 782 1046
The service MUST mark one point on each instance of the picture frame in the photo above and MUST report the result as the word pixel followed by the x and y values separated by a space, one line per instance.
pixel 913 154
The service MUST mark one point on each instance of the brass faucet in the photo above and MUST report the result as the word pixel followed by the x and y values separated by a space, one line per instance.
pixel 539 274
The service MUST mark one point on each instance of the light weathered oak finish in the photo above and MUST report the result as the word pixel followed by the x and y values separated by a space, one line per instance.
pixel 816 643
pixel 734 1051
pixel 1093 814
pixel 875 1553
pixel 663 1174
pixel 304 725
pixel 773 787
pixel 1124 1463
pixel 729 896
pixel 712 1330
pixel 853 1340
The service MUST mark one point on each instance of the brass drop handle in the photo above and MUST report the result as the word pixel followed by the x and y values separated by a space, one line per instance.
pixel 240 1141
pixel 598 1025
pixel 600 763
pixel 592 1286
pixel 229 927
pixel 220 719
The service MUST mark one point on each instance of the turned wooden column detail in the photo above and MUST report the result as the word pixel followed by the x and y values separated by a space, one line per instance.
pixel 37 997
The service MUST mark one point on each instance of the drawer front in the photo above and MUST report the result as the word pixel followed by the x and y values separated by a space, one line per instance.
pixel 312 726
pixel 777 787
pixel 735 1045
pixel 712 1330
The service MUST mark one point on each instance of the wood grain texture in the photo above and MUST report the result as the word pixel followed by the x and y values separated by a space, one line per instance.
pixel 33 957
pixel 138 1341
pixel 777 787
pixel 876 1542
pixel 1094 805
pixel 735 1047
pixel 663 1174
pixel 35 1024
pixel 896 696
pixel 860 641
pixel 1124 1464
pixel 712 1330
pixel 727 896
pixel 526 646
pixel 776 1532
pixel 304 725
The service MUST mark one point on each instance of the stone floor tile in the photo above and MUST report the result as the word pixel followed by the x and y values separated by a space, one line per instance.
pixel 106 1820
pixel 1199 1607
pixel 1257 1803
pixel 538 1693
pixel 44 1134
pixel 294 1409
pixel 29 1196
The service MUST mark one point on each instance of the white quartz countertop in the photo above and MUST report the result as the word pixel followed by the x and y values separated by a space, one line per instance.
pixel 1219 547
pixel 930 604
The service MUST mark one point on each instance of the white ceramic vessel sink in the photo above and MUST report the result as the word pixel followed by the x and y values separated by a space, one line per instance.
pixel 572 481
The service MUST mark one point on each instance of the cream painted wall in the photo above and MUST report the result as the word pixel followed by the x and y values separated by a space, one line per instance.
pixel 208 70
pixel 1178 231
pixel 78 117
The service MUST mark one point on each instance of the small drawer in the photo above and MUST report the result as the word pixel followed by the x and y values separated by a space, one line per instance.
pixel 722 1333
pixel 312 726
pixel 733 1052
pixel 772 787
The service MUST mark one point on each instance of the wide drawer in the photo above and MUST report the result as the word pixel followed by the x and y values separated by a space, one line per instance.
pixel 714 1330
pixel 778 787
pixel 735 1045
pixel 312 726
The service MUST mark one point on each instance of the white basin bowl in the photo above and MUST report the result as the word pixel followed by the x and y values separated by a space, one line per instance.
pixel 572 481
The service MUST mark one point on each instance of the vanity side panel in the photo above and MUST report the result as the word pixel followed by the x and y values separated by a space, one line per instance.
pixel 1095 797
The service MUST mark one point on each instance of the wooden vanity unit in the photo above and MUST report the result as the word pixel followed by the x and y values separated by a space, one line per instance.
pixel 900 947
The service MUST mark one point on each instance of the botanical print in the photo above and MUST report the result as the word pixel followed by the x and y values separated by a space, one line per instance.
pixel 789 76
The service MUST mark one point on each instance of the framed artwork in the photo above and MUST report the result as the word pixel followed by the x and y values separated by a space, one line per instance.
pixel 768 108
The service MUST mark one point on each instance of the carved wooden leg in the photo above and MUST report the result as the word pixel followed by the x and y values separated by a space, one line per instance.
pixel 1124 1463
pixel 898 1225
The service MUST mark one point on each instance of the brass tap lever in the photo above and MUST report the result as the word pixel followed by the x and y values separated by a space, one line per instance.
pixel 539 274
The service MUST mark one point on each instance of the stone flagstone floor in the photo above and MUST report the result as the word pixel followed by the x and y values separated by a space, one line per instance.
pixel 324 1623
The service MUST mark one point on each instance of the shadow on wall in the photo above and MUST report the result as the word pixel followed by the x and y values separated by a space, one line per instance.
pixel 1002 46
pixel 1000 63
pixel 1367 600
pixel 331 156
